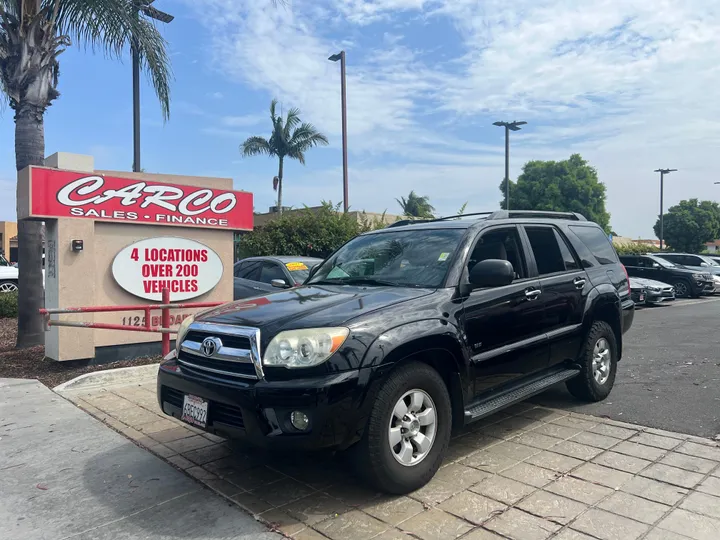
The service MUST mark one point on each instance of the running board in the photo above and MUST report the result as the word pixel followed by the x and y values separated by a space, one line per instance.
pixel 518 392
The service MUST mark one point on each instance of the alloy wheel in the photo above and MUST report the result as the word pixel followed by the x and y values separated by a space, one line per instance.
pixel 602 361
pixel 412 428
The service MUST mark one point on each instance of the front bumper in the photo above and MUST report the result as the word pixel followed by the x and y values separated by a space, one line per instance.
pixel 259 412
pixel 658 297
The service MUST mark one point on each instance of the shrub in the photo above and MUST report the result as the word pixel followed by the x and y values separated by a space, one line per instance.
pixel 634 249
pixel 8 305
pixel 306 233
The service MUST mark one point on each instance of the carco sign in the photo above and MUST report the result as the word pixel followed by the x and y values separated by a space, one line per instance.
pixel 61 194
pixel 185 267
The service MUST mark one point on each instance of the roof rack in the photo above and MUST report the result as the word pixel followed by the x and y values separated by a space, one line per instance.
pixel 446 218
pixel 504 214
pixel 497 214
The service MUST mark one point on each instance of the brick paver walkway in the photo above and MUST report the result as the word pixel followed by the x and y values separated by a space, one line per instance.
pixel 528 473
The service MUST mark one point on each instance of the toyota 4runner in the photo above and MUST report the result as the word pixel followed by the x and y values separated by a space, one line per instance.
pixel 404 334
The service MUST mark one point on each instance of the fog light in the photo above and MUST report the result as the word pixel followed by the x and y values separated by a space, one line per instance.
pixel 299 420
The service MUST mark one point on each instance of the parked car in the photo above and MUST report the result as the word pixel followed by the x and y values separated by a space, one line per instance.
pixel 445 322
pixel 637 292
pixel 656 292
pixel 686 282
pixel 9 276
pixel 696 262
pixel 714 258
pixel 255 276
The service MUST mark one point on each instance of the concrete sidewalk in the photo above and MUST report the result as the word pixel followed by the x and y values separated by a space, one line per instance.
pixel 63 474
pixel 528 473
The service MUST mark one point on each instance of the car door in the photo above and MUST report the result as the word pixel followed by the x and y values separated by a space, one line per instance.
pixel 245 279
pixel 564 285
pixel 270 270
pixel 501 324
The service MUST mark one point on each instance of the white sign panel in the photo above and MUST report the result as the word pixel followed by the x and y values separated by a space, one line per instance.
pixel 185 267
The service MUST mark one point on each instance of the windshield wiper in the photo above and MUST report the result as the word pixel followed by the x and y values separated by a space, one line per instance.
pixel 358 280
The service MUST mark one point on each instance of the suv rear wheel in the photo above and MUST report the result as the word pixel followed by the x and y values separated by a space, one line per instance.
pixel 408 430
pixel 598 363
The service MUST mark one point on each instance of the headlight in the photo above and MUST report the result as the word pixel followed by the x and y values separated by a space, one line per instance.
pixel 304 348
pixel 183 330
pixel 655 289
pixel 699 277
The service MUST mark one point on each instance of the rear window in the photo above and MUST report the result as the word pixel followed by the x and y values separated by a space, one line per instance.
pixel 598 244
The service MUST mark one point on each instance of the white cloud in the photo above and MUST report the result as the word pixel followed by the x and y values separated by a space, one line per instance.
pixel 215 95
pixel 627 83
pixel 245 120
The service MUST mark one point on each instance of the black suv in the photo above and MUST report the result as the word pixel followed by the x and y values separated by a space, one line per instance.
pixel 687 282
pixel 404 334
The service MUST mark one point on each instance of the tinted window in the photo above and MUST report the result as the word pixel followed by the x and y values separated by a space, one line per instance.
pixel 545 247
pixel 271 271
pixel 249 270
pixel 500 244
pixel 597 242
pixel 569 259
pixel 692 260
pixel 409 258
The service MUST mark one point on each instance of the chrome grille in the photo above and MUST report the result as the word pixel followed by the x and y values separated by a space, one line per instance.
pixel 237 356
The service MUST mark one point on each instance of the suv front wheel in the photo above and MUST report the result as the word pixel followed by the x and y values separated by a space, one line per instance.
pixel 598 364
pixel 408 430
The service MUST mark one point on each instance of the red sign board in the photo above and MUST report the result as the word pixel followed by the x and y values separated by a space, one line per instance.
pixel 65 194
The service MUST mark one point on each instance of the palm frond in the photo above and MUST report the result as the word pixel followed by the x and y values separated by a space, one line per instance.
pixel 273 106
pixel 110 25
pixel 256 146
pixel 306 136
pixel 291 120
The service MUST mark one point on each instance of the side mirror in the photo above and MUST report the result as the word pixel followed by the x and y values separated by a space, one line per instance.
pixel 492 273
pixel 655 265
pixel 704 264
pixel 279 283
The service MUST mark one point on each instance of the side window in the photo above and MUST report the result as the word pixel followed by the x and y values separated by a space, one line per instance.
pixel 545 247
pixel 568 257
pixel 647 263
pixel 250 270
pixel 270 271
pixel 691 260
pixel 629 261
pixel 239 269
pixel 500 244
pixel 597 242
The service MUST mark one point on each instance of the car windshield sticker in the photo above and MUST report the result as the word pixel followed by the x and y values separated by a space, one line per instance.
pixel 443 257
pixel 295 266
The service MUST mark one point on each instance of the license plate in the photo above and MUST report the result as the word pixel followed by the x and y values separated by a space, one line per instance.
pixel 195 411
pixel 642 297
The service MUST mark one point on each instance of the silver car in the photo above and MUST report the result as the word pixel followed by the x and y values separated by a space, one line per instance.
pixel 656 292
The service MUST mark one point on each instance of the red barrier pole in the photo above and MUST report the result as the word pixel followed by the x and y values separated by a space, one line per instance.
pixel 165 322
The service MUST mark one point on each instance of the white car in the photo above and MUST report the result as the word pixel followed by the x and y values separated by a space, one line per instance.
pixel 8 276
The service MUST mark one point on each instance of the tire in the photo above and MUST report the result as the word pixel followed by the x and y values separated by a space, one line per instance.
pixel 8 286
pixel 373 455
pixel 592 384
pixel 682 289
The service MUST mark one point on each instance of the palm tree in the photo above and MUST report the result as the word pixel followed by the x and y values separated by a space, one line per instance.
pixel 33 33
pixel 289 138
pixel 416 206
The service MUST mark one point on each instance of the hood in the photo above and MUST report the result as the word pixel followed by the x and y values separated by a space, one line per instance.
pixel 309 306
pixel 643 282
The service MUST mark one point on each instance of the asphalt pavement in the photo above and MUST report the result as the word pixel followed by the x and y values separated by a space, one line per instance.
pixel 669 377
pixel 65 475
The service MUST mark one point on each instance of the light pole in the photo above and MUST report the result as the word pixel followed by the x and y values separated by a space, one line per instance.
pixel 509 126
pixel 662 172
pixel 334 58
pixel 151 12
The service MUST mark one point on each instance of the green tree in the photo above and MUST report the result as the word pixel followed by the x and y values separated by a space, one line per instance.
pixel 416 206
pixel 33 33
pixel 570 185
pixel 289 138
pixel 690 224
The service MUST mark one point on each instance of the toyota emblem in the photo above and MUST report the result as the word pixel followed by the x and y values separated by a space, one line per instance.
pixel 210 346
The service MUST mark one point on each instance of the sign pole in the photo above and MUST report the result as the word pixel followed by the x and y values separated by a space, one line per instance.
pixel 165 323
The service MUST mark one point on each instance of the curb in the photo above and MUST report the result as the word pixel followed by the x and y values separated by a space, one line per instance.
pixel 109 377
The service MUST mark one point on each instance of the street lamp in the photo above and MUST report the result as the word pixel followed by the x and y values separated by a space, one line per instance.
pixel 662 172
pixel 149 11
pixel 509 126
pixel 334 58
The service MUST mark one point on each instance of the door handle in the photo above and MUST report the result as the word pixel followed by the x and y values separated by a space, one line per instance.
pixel 532 294
pixel 257 288
pixel 579 282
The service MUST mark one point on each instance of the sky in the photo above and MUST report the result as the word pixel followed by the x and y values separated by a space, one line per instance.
pixel 631 85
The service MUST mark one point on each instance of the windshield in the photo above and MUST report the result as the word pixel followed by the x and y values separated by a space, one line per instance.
pixel 298 270
pixel 3 261
pixel 662 262
pixel 411 258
